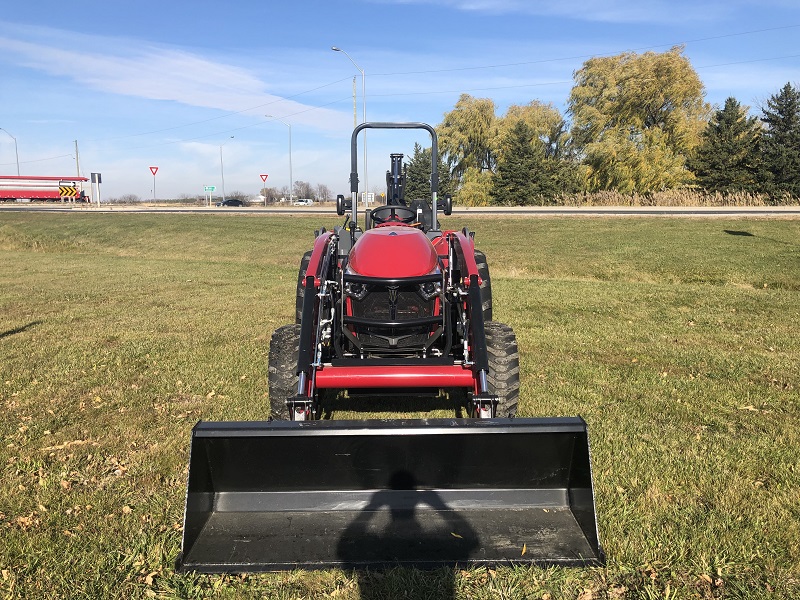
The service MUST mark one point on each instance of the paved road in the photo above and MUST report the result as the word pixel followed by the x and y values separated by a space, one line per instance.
pixel 662 211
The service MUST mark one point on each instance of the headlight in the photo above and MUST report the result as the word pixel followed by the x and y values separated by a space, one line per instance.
pixel 356 290
pixel 429 290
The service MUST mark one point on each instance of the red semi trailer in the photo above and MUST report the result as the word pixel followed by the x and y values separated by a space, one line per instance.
pixel 27 188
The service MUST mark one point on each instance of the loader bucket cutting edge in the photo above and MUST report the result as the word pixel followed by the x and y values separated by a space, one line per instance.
pixel 270 496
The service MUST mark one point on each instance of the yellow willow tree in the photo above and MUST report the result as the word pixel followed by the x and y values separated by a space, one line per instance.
pixel 636 118
pixel 467 141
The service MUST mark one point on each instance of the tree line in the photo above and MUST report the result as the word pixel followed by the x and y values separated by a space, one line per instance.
pixel 638 125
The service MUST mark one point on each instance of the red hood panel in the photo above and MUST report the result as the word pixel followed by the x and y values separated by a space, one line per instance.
pixel 393 252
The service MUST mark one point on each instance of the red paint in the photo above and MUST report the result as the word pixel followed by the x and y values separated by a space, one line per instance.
pixel 320 247
pixel 393 251
pixel 31 193
pixel 465 249
pixel 34 187
pixel 428 376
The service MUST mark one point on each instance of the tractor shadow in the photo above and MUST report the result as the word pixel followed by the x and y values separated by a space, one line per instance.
pixel 406 525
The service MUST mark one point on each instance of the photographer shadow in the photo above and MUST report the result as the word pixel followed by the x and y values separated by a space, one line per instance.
pixel 403 526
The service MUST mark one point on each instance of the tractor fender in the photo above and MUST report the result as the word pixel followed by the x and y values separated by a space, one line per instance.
pixel 317 253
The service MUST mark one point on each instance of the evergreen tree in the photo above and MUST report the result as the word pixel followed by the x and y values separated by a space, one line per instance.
pixel 728 158
pixel 781 156
pixel 418 176
pixel 524 174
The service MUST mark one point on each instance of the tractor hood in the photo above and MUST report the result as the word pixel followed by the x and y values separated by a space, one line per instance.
pixel 393 252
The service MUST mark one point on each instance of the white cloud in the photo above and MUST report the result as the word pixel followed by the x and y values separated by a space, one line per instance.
pixel 132 68
pixel 614 11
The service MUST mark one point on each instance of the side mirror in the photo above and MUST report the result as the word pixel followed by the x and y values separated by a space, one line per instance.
pixel 446 205
pixel 343 204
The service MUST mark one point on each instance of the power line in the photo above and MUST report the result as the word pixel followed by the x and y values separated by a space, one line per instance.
pixel 38 160
pixel 485 89
pixel 744 62
pixel 227 131
pixel 584 56
pixel 228 114
pixel 456 69
pixel 527 85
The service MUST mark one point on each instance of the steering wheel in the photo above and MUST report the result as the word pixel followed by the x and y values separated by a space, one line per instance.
pixel 394 214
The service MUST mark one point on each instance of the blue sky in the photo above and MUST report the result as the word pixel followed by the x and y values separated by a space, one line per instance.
pixel 166 84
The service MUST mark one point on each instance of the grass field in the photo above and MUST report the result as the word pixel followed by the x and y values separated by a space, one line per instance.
pixel 676 339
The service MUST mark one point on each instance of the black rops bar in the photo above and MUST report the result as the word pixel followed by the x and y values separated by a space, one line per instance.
pixel 434 162
pixel 266 496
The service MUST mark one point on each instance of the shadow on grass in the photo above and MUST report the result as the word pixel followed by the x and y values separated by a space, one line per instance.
pixel 22 329
pixel 761 237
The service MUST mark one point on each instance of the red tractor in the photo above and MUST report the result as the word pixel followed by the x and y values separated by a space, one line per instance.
pixel 398 306
pixel 401 307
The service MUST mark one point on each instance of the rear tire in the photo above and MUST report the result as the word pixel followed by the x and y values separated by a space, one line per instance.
pixel 486 285
pixel 283 353
pixel 503 379
pixel 301 289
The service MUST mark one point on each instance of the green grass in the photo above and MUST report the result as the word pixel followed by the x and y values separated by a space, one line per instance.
pixel 676 339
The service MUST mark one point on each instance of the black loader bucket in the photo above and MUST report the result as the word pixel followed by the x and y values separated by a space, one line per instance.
pixel 267 496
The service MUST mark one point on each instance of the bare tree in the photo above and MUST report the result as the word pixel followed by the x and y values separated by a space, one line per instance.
pixel 323 193
pixel 303 189
pixel 237 195
pixel 125 199
pixel 272 194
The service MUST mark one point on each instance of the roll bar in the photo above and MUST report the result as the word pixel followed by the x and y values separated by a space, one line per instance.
pixel 434 162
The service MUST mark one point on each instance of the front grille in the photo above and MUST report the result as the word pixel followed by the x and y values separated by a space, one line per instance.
pixel 392 305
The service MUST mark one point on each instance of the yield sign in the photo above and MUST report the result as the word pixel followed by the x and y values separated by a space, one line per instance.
pixel 154 170
pixel 264 177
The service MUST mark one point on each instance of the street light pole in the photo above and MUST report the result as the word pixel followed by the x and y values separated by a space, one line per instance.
pixel 364 104
pixel 222 167
pixel 291 179
pixel 16 151
pixel 355 107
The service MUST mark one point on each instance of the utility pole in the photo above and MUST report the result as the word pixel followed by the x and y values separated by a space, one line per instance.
pixel 78 165
pixel 364 103
pixel 77 159
pixel 16 150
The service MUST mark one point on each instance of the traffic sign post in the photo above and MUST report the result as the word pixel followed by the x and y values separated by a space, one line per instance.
pixel 209 189
pixel 154 170
pixel 264 188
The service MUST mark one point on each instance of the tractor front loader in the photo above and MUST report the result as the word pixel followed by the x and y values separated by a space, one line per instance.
pixel 396 306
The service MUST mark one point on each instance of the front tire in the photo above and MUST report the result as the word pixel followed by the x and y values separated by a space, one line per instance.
pixel 284 348
pixel 486 285
pixel 301 289
pixel 503 378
